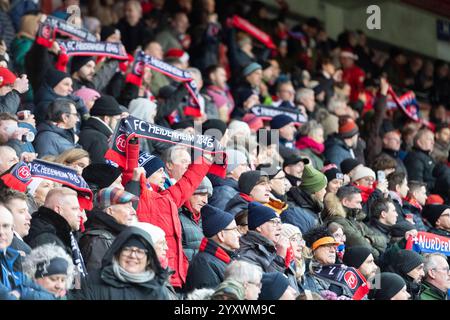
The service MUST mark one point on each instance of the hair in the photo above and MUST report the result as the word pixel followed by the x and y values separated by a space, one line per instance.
pixel 58 194
pixel 7 116
pixel 415 185
pixel 243 271
pixel 430 261
pixel 282 83
pixel 167 154
pixel 315 234
pixel 210 70
pixel 7 195
pixel 195 71
pixel 395 179
pixel 383 162
pixel 379 206
pixel 241 218
pixel 335 103
pixel 334 226
pixel 243 39
pixel 310 127
pixel 420 134
pixel 71 155
pixel 303 92
pixel 46 253
pixel 135 3
pixel 347 192
pixel 57 108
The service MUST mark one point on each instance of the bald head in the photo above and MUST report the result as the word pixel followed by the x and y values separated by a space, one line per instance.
pixel 64 201
pixel 8 158
pixel 6 227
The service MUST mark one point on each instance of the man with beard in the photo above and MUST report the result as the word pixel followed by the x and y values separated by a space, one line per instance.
pixel 410 266
pixel 82 71
pixel 362 259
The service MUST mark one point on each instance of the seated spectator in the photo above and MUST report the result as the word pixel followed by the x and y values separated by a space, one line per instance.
pixel 217 249
pixel 311 143
pixel 362 259
pixel 436 282
pixel 287 130
pixel 56 134
pixel 392 287
pixel 293 167
pixel 247 274
pixel 398 190
pixel 218 90
pixel 51 267
pixel 364 179
pixel 391 143
pixel 337 231
pixel 414 202
pixel 275 286
pixel 335 178
pixel 383 217
pixel 113 213
pixel 385 163
pixel 285 96
pixel 247 94
pixel 438 216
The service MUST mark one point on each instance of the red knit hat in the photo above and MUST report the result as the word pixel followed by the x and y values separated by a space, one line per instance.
pixel 6 77
pixel 177 53
pixel 434 199
pixel 347 127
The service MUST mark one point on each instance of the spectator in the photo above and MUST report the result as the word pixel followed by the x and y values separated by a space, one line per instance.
pixel 383 217
pixel 287 130
pixel 409 265
pixel 285 95
pixel 391 143
pixel 436 282
pixel 414 202
pixel 177 160
pixel 441 147
pixel 154 170
pixel 175 36
pixel 84 73
pixel 337 231
pixel 418 162
pixel 248 274
pixel 362 259
pixel 341 146
pixel 51 267
pixel 392 287
pixel 10 89
pixel 77 159
pixel 56 134
pixel 37 191
pixel 130 271
pixel 113 213
pixel 88 96
pixel 159 242
pixel 305 97
pixel 11 134
pixel 335 178
pixel 352 74
pixel 8 158
pixel 247 94
pixel 398 190
pixel 217 249
pixel 191 218
pixel 97 130
pixel 219 91
pixel 144 109
pixel 293 167
pixel 311 143
pixel 438 216
pixel 275 286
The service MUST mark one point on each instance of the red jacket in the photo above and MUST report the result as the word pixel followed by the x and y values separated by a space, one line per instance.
pixel 354 76
pixel 161 209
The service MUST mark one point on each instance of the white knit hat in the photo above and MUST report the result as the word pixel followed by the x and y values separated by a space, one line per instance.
pixel 156 233
pixel 289 230
pixel 361 172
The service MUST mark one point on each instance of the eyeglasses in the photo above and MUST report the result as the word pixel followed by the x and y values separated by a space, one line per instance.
pixel 275 222
pixel 73 114
pixel 140 253
pixel 446 269
pixel 232 229
pixel 259 285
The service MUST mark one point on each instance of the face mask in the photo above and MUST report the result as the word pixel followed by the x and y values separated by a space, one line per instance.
pixel 352 212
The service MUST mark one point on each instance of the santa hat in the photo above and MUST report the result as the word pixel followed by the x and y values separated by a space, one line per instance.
pixel 179 54
pixel 348 53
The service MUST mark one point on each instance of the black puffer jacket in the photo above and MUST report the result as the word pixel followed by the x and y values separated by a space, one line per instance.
pixel 94 137
pixel 420 167
pixel 103 284
pixel 101 230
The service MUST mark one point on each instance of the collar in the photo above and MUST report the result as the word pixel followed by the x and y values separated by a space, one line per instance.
pixel 104 124
pixel 395 196
pixel 211 247
pixel 17 235
pixel 392 153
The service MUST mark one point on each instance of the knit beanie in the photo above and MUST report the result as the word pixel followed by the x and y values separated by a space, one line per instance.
pixel 289 230
pixel 399 229
pixel 87 94
pixel 259 214
pixel 79 62
pixel 106 32
pixel 234 159
pixel 432 212
pixel 280 121
pixel 333 173
pixel 355 256
pixel 361 172
pixel 250 68
pixel 214 220
pixel 248 180
pixel 150 163
pixel 205 187
pixel 312 180
pixel 347 128
pixel 214 125
pixel 348 165
pixel 390 285
pixel 274 284
pixel 106 106
pixel 407 260
pixel 101 174
pixel 7 77
pixel 53 77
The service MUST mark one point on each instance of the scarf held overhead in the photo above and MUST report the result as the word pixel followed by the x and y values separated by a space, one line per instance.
pixel 67 29
pixel 268 112
pixel 252 30
pixel 87 48
pixel 132 127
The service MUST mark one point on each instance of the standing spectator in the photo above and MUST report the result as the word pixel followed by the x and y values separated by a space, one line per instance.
pixel 409 265
pixel 56 134
pixel 340 146
pixel 97 130
pixel 217 249
pixel 85 73
pixel 352 74
pixel 114 211
pixel 175 37
pixel 442 143
pixel 311 143
pixel 418 162
pixel 362 259
pixel 392 287
pixel 177 159
pixel 438 216
pixel 437 278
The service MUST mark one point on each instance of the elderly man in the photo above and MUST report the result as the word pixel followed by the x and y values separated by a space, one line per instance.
pixel 437 278
pixel 177 159
pixel 217 249
pixel 114 211
pixel 14 285
pixel 418 162
pixel 11 134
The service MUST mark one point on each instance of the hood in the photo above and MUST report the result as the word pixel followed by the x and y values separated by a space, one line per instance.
pixel 122 238
pixel 332 207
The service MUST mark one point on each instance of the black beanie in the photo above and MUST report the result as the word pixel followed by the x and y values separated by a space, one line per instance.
pixel 78 62
pixel 432 212
pixel 183 124
pixel 106 32
pixel 106 106
pixel 53 77
pixel 134 241
pixel 355 256
pixel 348 165
pixel 399 229
pixel 248 180
pixel 214 124
pixel 390 285
pixel 407 260
pixel 274 284
pixel 101 174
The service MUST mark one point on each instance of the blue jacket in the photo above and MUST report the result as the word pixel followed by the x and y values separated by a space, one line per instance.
pixel 13 279
pixel 223 191
pixel 336 150
pixel 52 140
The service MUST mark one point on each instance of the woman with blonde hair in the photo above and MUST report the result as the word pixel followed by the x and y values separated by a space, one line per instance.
pixel 76 158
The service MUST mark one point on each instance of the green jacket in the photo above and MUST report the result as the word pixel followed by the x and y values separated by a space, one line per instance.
pixel 317 161
pixel 430 292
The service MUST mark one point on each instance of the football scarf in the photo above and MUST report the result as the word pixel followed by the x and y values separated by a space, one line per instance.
pixel 67 29
pixel 268 112
pixel 252 30
pixel 87 48
pixel 427 242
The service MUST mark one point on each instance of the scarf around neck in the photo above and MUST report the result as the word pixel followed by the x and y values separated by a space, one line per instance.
pixel 308 143
pixel 125 276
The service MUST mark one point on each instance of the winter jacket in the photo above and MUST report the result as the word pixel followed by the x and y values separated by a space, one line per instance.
pixel 94 137
pixel 134 36
pixel 409 208
pixel 223 191
pixel 103 284
pixel 47 226
pixel 236 204
pixel 442 185
pixel 204 49
pixel 52 140
pixel 161 209
pixel 100 231
pixel 20 245
pixel 420 166
pixel 10 102
pixel 336 150
pixel 357 233
pixel 372 137
pixel 12 278
pixel 257 249
pixel 207 268
pixel 430 292
pixel 101 78
pixel 382 230
pixel 192 231
pixel 396 156
pixel 304 211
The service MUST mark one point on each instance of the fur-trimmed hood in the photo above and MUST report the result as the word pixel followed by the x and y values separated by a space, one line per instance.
pixel 332 207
